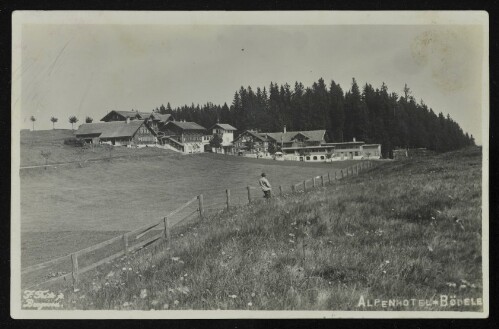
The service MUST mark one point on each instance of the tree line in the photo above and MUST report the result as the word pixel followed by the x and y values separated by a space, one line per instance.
pixel 372 115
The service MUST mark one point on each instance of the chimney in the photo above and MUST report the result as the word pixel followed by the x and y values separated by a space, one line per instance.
pixel 354 139
pixel 127 120
pixel 284 128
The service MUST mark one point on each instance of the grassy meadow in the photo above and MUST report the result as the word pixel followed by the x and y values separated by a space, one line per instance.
pixel 74 207
pixel 33 143
pixel 406 229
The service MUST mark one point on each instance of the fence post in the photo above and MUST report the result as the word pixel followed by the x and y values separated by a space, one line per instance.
pixel 249 194
pixel 322 179
pixel 313 182
pixel 293 188
pixel 74 261
pixel 304 185
pixel 167 231
pixel 125 244
pixel 227 192
pixel 201 209
pixel 280 190
pixel 335 178
pixel 341 173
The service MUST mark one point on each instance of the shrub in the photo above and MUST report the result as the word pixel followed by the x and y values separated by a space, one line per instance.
pixel 73 141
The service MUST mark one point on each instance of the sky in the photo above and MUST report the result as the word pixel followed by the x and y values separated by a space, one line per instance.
pixel 88 70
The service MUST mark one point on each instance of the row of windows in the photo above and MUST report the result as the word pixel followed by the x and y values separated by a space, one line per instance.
pixel 322 157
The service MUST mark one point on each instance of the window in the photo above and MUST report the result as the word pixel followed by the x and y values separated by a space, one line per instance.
pixel 308 158
pixel 315 158
pixel 322 157
pixel 356 153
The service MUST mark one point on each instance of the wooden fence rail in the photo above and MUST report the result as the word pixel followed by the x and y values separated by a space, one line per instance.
pixel 165 234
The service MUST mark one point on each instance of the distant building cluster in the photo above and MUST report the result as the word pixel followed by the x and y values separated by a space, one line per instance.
pixel 141 129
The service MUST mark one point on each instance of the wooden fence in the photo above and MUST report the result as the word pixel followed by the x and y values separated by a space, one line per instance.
pixel 161 230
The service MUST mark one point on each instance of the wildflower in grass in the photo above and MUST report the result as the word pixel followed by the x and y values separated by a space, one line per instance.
pixel 451 284
pixel 183 289
pixel 166 306
pixel 273 254
pixel 250 304
pixel 126 304
pixel 233 296
pixel 181 235
pixel 129 268
pixel 387 261
pixel 349 234
pixel 176 302
pixel 223 252
pixel 175 259
pixel 291 235
pixel 291 241
pixel 252 294
pixel 430 248
pixel 143 293
pixel 463 286
pixel 124 268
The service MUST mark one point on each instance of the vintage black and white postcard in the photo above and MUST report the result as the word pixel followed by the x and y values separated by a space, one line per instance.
pixel 250 164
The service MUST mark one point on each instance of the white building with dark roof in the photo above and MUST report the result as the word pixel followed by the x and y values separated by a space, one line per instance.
pixel 226 132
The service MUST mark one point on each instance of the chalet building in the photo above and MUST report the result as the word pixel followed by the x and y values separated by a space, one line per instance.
pixel 187 137
pixel 307 146
pixel 123 115
pixel 251 141
pixel 355 150
pixel 157 121
pixel 296 139
pixel 226 132
pixel 118 133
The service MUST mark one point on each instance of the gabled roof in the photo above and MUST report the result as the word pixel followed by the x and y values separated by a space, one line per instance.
pixel 110 129
pixel 287 137
pixel 259 136
pixel 128 114
pixel 225 126
pixel 160 117
pixel 186 125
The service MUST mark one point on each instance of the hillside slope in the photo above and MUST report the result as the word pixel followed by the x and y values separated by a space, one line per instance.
pixel 33 143
pixel 407 230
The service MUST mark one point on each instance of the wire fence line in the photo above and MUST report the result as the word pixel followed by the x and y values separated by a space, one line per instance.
pixel 71 266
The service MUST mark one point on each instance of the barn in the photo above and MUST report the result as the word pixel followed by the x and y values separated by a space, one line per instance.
pixel 118 133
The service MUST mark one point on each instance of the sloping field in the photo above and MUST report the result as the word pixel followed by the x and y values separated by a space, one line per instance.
pixel 33 143
pixel 406 230
pixel 128 192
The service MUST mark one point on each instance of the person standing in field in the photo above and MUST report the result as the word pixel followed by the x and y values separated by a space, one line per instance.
pixel 265 185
